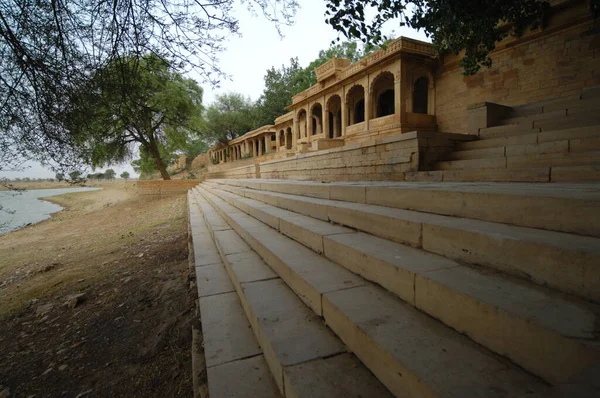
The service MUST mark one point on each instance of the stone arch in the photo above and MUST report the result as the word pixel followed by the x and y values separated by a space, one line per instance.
pixel 302 130
pixel 334 108
pixel 316 119
pixel 355 99
pixel 382 95
pixel 420 95
pixel 288 138
pixel 281 138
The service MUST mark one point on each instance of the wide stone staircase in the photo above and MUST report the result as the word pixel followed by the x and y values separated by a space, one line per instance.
pixel 398 289
pixel 554 140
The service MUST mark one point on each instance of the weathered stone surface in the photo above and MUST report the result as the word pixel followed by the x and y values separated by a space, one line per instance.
pixel 288 332
pixel 249 267
pixel 542 331
pixel 226 331
pixel 328 377
pixel 229 242
pixel 414 355
pixel 212 279
pixel 244 378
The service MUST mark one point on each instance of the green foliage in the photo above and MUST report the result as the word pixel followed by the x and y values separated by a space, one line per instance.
pixel 124 175
pixel 280 86
pixel 191 176
pixel 214 160
pixel 133 103
pixel 110 174
pixel 95 176
pixel 456 25
pixel 246 155
pixel 60 177
pixel 283 83
pixel 49 48
pixel 74 175
pixel 193 148
pixel 230 116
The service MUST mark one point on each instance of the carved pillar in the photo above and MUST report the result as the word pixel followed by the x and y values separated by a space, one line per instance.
pixel 367 103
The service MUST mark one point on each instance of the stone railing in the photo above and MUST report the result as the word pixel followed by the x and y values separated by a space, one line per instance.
pixel 401 44
pixel 330 67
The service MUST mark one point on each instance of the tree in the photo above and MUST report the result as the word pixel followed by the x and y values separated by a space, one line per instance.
pixel 193 148
pixel 280 86
pixel 110 174
pixel 454 25
pixel 306 77
pixel 130 104
pixel 228 117
pixel 51 48
pixel 125 175
pixel 60 177
pixel 283 83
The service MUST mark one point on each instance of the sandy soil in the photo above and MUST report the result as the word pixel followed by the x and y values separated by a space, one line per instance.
pixel 96 301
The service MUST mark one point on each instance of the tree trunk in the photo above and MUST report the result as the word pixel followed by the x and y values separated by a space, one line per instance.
pixel 160 165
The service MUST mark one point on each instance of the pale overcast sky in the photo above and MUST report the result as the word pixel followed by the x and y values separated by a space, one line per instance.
pixel 247 58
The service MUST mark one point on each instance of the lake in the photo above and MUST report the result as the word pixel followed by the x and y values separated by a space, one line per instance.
pixel 25 207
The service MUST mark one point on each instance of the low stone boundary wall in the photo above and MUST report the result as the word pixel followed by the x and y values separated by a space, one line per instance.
pixel 385 158
pixel 165 188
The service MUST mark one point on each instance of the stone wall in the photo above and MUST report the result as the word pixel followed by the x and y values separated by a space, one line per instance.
pixel 249 171
pixel 556 62
pixel 379 159
pixel 200 162
pixel 165 188
pixel 178 164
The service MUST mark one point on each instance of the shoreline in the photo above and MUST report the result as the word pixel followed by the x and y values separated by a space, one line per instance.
pixel 64 206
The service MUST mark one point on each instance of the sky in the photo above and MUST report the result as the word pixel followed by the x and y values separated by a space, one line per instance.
pixel 247 58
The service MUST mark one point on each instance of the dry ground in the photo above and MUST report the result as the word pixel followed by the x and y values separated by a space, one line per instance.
pixel 129 335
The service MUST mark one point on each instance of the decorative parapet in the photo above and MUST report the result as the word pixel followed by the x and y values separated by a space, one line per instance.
pixel 331 67
pixel 400 45
pixel 284 118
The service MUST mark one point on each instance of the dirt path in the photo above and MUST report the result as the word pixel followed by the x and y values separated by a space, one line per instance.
pixel 129 333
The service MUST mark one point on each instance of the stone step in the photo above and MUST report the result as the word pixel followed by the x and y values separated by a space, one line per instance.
pixel 571 134
pixel 579 145
pixel 411 353
pixel 472 164
pixel 529 120
pixel 231 350
pixel 586 173
pixel 521 320
pixel 507 130
pixel 587 100
pixel 305 358
pixel 573 208
pixel 487 175
pixel 524 161
pixel 589 173
pixel 483 153
pixel 526 253
pixel 575 118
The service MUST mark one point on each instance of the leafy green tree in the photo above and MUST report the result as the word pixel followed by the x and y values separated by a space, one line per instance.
pixel 110 174
pixel 193 148
pixel 60 177
pixel 153 107
pixel 51 48
pixel 280 86
pixel 230 116
pixel 125 175
pixel 306 77
pixel 454 25
pixel 283 83
pixel 95 176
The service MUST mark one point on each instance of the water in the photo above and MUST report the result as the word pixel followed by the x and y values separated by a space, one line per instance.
pixel 25 207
